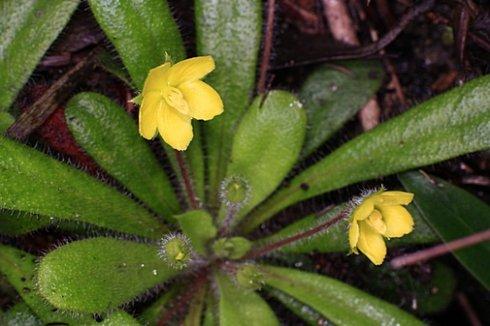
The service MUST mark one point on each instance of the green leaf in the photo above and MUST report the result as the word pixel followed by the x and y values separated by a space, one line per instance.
pixel 198 226
pixel 195 310
pixel 34 182
pixel 335 239
pixel 19 315
pixel 443 127
pixel 99 274
pixel 119 318
pixel 19 268
pixel 141 31
pixel 309 315
pixel 155 311
pixel 5 121
pixel 15 223
pixel 28 29
pixel 266 145
pixel 230 31
pixel 232 248
pixel 453 213
pixel 242 308
pixel 112 65
pixel 210 315
pixel 111 138
pixel 338 302
pixel 333 94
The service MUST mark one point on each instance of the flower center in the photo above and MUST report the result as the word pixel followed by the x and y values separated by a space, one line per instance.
pixel 174 97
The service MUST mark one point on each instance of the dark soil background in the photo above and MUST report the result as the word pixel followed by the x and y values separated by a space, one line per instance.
pixel 440 49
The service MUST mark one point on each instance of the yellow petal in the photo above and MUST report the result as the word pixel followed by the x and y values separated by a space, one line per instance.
pixel 375 220
pixel 371 243
pixel 397 219
pixel 148 114
pixel 174 127
pixel 157 78
pixel 174 97
pixel 363 210
pixel 396 198
pixel 353 236
pixel 190 70
pixel 204 102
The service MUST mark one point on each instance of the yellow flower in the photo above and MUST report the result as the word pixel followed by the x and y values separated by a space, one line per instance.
pixel 377 216
pixel 173 95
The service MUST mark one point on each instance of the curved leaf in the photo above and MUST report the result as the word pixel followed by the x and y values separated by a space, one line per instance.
pixel 28 29
pixel 15 223
pixel 443 127
pixel 309 315
pixel 333 94
pixel 266 145
pixel 33 182
pixel 19 268
pixel 340 303
pixel 99 274
pixel 335 238
pixel 111 138
pixel 239 307
pixel 141 31
pixel 119 318
pixel 230 31
pixel 453 213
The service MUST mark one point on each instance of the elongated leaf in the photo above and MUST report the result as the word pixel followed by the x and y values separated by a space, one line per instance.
pixel 119 318
pixel 453 213
pixel 155 311
pixel 5 121
pixel 110 136
pixel 230 31
pixel 33 182
pixel 446 126
pixel 335 238
pixel 28 29
pixel 333 95
pixel 239 307
pixel 99 274
pixel 196 307
pixel 198 226
pixel 141 31
pixel 336 301
pixel 19 268
pixel 309 315
pixel 266 145
pixel 14 223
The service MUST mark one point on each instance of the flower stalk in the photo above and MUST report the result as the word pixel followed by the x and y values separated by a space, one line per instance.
pixel 186 177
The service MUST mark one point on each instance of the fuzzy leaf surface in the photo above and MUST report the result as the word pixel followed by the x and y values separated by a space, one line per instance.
pixel 230 31
pixel 36 183
pixel 266 145
pixel 99 274
pixel 333 95
pixel 340 303
pixel 111 138
pixel 198 226
pixel 28 29
pixel 239 307
pixel 15 223
pixel 453 213
pixel 454 123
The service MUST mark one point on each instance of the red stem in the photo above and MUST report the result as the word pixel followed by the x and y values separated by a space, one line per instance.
pixel 286 241
pixel 189 189
pixel 266 54
pixel 439 250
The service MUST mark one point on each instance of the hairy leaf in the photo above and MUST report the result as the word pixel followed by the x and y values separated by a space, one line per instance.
pixel 338 302
pixel 453 213
pixel 141 31
pixel 99 274
pixel 111 138
pixel 28 27
pixel 333 94
pixel 230 31
pixel 19 268
pixel 239 307
pixel 443 127
pixel 33 182
pixel 14 223
pixel 266 145
pixel 198 226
